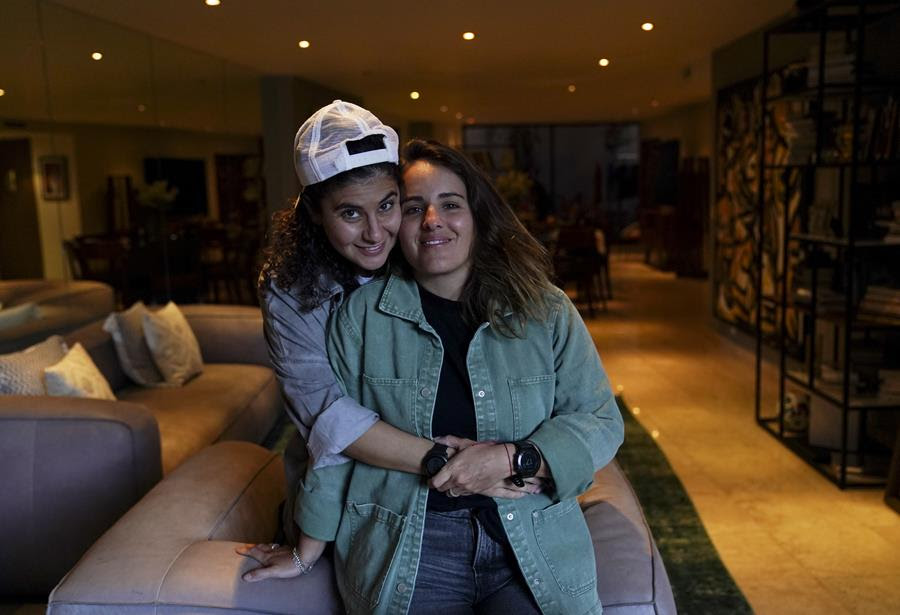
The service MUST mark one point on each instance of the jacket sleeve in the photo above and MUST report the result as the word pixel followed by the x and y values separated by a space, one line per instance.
pixel 585 428
pixel 328 420
pixel 320 503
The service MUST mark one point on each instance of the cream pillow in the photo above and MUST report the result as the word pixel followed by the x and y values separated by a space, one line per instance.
pixel 127 331
pixel 77 376
pixel 172 344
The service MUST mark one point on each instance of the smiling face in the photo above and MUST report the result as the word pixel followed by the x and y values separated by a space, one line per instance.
pixel 361 221
pixel 437 233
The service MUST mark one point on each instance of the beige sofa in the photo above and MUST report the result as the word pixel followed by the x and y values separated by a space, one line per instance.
pixel 60 308
pixel 174 553
pixel 71 467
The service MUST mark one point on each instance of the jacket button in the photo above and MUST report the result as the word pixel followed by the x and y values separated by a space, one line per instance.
pixel 401 587
pixel 480 393
pixel 510 516
pixel 426 392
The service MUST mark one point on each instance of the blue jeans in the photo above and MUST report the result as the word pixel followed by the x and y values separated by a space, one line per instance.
pixel 463 571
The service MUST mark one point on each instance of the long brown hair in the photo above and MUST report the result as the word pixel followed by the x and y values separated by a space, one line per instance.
pixel 299 251
pixel 510 268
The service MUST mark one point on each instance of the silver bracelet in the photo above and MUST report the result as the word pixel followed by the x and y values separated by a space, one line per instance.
pixel 302 566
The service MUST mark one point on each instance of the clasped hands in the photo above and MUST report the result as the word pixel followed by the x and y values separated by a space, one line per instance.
pixel 474 468
pixel 480 468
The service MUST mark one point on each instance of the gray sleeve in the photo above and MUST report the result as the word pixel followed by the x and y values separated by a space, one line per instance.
pixel 327 419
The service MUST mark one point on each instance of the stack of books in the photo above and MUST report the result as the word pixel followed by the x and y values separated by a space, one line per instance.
pixel 839 66
pixel 881 304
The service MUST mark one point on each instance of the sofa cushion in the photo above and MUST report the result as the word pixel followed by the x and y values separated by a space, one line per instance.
pixel 127 331
pixel 22 373
pixel 77 376
pixel 173 345
pixel 204 409
pixel 175 551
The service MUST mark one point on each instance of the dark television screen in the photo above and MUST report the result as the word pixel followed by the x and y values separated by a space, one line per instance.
pixel 188 175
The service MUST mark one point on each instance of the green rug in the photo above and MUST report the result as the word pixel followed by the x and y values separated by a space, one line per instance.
pixel 700 582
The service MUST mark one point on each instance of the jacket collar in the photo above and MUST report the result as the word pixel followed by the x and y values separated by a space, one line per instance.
pixel 400 298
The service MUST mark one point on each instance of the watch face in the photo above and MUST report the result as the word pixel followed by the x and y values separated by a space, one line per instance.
pixel 529 462
pixel 433 464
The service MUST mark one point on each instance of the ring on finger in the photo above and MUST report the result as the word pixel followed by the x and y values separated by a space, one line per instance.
pixel 452 493
pixel 273 546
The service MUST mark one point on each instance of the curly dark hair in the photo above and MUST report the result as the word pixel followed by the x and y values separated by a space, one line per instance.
pixel 510 268
pixel 299 252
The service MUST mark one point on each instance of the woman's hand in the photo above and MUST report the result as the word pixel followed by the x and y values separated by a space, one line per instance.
pixel 277 561
pixel 478 467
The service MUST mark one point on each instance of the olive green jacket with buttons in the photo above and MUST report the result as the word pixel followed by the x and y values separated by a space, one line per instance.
pixel 547 386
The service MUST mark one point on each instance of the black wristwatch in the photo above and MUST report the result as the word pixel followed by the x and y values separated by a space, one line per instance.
pixel 525 462
pixel 435 459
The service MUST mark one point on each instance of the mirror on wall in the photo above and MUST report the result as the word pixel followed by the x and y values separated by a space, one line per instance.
pixel 126 159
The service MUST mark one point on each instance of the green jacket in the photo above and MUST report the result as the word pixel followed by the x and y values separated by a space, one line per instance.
pixel 548 386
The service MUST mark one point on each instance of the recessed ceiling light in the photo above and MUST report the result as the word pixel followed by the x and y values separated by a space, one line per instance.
pixel 213 2
pixel 646 26
pixel 469 36
pixel 444 108
pixel 571 88
pixel 458 115
pixel 654 103
pixel 414 95
pixel 603 62
pixel 97 55
pixel 303 44
pixel 142 108
pixel 2 92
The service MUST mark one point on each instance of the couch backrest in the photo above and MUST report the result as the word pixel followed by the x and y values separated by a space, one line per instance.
pixel 99 344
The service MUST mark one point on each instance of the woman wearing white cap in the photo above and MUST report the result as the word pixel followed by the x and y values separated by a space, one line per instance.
pixel 336 237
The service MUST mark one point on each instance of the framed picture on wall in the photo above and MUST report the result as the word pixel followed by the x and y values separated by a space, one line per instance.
pixel 54 178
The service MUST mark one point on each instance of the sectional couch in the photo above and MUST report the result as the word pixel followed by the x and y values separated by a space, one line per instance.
pixel 72 466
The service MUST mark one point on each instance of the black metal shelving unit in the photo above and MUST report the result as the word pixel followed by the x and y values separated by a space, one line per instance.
pixel 848 252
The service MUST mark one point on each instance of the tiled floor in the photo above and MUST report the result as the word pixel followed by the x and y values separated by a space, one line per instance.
pixel 792 540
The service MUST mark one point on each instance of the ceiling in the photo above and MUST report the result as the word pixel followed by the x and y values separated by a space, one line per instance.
pixel 519 68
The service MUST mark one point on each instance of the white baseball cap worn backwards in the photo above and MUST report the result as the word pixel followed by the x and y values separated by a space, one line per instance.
pixel 339 137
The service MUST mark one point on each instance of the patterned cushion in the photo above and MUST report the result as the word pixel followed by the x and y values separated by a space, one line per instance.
pixel 22 373
pixel 127 331
pixel 77 376
pixel 173 345
pixel 18 314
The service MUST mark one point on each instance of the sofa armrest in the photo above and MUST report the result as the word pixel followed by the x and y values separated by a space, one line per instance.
pixel 228 333
pixel 71 467
pixel 174 551
pixel 631 576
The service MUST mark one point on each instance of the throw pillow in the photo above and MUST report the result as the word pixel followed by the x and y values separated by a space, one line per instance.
pixel 22 373
pixel 173 345
pixel 127 331
pixel 18 314
pixel 76 375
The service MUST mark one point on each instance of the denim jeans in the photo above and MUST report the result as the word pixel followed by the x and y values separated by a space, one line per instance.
pixel 463 571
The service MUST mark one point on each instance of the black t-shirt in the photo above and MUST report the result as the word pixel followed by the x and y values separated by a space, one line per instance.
pixel 454 408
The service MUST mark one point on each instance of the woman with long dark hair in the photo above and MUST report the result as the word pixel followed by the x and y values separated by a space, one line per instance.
pixel 337 236
pixel 467 339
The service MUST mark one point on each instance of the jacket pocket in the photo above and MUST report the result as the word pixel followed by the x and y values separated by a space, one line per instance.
pixel 394 399
pixel 532 402
pixel 371 536
pixel 565 542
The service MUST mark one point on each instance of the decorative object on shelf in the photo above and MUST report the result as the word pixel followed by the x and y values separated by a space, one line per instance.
pixel 796 412
pixel 54 178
